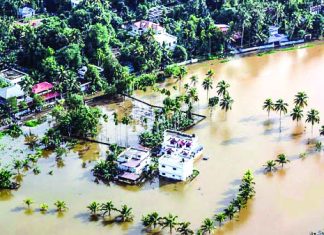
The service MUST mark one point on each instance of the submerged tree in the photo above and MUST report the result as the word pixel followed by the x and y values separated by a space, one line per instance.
pixel 268 105
pixel 301 99
pixel 282 159
pixel 297 114
pixel 270 166
pixel 281 107
pixel 313 117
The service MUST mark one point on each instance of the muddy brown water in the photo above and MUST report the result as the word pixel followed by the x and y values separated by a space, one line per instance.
pixel 289 201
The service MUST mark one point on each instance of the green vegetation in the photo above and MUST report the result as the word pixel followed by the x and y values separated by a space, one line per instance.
pixel 34 122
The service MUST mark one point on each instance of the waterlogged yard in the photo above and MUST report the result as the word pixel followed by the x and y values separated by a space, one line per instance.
pixel 286 201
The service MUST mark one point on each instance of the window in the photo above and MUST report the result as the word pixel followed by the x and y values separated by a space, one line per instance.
pixel 163 173
pixel 163 166
pixel 172 175
pixel 174 168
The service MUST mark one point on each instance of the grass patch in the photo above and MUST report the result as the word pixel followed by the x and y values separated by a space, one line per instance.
pixel 224 61
pixel 33 122
pixel 297 47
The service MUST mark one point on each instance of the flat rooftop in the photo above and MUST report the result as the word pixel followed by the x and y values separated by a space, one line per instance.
pixel 12 74
pixel 134 154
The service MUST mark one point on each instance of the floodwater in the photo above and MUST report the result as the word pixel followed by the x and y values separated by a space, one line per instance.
pixel 289 201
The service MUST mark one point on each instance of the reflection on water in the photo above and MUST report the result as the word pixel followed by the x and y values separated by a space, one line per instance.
pixel 288 201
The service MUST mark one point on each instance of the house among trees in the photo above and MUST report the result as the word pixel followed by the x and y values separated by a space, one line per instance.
pixel 45 90
pixel 34 23
pixel 275 37
pixel 132 164
pixel 10 80
pixel 179 151
pixel 26 12
pixel 160 34
pixel 75 3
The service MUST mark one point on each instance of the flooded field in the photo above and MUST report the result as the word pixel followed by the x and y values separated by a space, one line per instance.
pixel 289 201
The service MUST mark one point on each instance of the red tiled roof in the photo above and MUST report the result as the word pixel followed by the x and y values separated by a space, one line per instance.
pixel 40 87
pixel 50 95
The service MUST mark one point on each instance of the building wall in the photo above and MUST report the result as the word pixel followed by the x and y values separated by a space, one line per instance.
pixel 176 171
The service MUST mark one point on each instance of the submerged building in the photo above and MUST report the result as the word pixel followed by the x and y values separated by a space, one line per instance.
pixel 132 164
pixel 178 153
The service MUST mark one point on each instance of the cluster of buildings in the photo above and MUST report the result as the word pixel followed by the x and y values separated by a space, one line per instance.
pixel 160 34
pixel 176 162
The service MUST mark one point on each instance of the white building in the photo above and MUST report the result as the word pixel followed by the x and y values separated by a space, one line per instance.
pixel 13 78
pixel 133 163
pixel 160 34
pixel 275 37
pixel 179 151
pixel 75 3
pixel 26 12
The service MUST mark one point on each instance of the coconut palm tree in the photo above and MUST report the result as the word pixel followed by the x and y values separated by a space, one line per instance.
pixel 107 207
pixel 230 211
pixel 297 114
pixel 210 73
pixel 126 214
pixel 268 105
pixel 17 165
pixel 194 80
pixel 152 219
pixel 207 85
pixel 318 146
pixel 270 166
pixel 222 87
pixel 184 229
pixel 301 99
pixel 28 202
pixel 208 226
pixel 313 117
pixel 212 103
pixel 182 72
pixel 281 107
pixel 126 121
pixel 94 207
pixel 226 103
pixel 43 207
pixel 60 206
pixel 115 115
pixel 282 159
pixel 220 218
pixel 170 221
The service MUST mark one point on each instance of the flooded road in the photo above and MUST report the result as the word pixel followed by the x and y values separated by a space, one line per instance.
pixel 289 201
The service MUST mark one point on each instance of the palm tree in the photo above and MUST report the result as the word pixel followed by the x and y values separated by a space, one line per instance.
pixel 230 211
pixel 126 121
pixel 208 226
pixel 115 115
pixel 318 146
pixel 184 229
pixel 107 208
pixel 301 99
pixel 194 80
pixel 268 105
pixel 270 166
pixel 220 218
pixel 94 208
pixel 281 107
pixel 126 214
pixel 322 131
pixel 313 117
pixel 28 202
pixel 180 76
pixel 151 219
pixel 210 73
pixel 170 221
pixel 222 87
pixel 207 85
pixel 17 165
pixel 212 103
pixel 60 206
pixel 282 159
pixel 226 103
pixel 297 114
pixel 43 207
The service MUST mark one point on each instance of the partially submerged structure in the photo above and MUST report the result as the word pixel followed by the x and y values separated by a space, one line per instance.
pixel 178 153
pixel 12 79
pixel 132 164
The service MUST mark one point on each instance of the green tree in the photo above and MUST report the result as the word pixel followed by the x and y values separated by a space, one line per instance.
pixel 208 226
pixel 60 206
pixel 313 117
pixel 297 114
pixel 28 202
pixel 43 207
pixel 170 221
pixel 94 208
pixel 270 166
pixel 126 214
pixel 207 85
pixel 222 87
pixel 230 211
pixel 301 99
pixel 281 107
pixel 226 103
pixel 184 229
pixel 282 159
pixel 268 105
pixel 107 207
pixel 220 218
